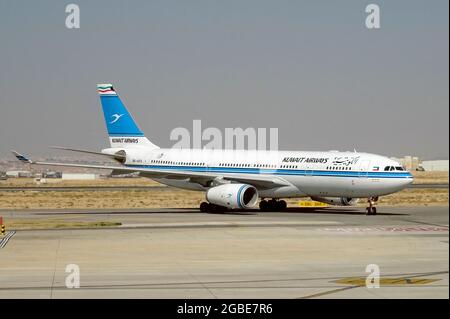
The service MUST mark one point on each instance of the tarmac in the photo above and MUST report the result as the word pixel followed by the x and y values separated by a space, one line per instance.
pixel 182 253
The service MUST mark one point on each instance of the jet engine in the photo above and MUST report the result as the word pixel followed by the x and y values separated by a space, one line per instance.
pixel 337 201
pixel 233 196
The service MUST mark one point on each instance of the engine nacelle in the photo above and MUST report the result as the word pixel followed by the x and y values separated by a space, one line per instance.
pixel 233 196
pixel 337 201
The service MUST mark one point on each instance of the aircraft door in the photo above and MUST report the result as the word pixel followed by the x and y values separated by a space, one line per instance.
pixel 364 168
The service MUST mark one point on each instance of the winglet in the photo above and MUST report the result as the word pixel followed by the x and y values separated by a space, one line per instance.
pixel 22 158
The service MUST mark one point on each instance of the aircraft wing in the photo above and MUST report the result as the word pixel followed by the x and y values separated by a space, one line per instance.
pixel 203 178
pixel 113 156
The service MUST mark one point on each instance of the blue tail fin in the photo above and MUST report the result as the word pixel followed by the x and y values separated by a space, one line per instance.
pixel 122 129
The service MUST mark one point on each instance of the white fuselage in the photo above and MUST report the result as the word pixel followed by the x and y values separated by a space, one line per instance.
pixel 319 174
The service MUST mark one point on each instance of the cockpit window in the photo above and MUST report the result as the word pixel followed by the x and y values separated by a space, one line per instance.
pixel 394 168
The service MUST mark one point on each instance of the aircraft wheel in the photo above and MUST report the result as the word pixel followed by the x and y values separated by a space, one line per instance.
pixel 371 211
pixel 212 208
pixel 272 204
pixel 282 205
pixel 263 205
pixel 204 207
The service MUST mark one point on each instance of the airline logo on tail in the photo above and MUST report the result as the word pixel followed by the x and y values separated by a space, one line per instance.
pixel 116 117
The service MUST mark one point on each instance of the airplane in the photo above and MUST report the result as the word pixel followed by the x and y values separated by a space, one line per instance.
pixel 239 179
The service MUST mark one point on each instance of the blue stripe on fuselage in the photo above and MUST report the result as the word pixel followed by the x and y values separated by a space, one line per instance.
pixel 249 170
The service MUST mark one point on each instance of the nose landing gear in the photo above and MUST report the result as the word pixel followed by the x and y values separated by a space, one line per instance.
pixel 371 209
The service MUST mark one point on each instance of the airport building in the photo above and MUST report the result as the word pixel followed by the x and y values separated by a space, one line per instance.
pixel 19 174
pixel 79 176
pixel 411 163
pixel 438 165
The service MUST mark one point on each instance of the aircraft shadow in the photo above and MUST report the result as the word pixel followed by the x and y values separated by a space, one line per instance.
pixel 250 212
pixel 329 211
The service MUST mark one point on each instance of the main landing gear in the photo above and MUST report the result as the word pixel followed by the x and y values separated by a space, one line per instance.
pixel 211 208
pixel 371 209
pixel 272 204
pixel 264 205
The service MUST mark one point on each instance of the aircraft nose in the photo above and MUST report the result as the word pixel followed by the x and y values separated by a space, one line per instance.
pixel 408 180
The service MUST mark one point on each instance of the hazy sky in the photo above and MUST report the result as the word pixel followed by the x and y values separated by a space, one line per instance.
pixel 310 68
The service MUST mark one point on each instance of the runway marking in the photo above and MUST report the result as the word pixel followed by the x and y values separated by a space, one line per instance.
pixel 424 223
pixel 320 294
pixel 227 224
pixel 5 239
pixel 361 281
pixel 54 269
pixel 392 229
pixel 231 284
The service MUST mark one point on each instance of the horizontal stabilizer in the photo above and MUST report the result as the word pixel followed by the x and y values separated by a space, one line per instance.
pixel 22 158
